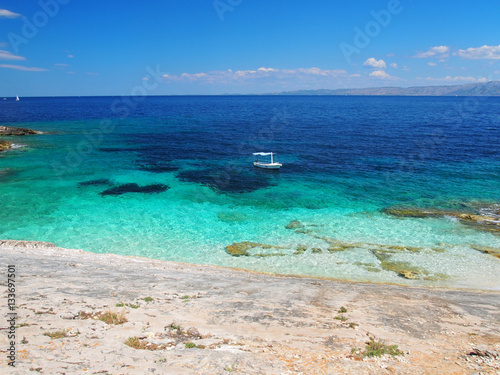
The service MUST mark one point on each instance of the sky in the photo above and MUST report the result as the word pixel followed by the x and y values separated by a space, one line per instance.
pixel 206 47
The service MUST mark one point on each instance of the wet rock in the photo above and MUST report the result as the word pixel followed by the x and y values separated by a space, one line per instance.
pixel 11 130
pixel 99 182
pixel 134 188
pixel 408 274
pixel 4 145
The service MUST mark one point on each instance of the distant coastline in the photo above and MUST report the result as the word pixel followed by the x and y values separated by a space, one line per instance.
pixel 491 88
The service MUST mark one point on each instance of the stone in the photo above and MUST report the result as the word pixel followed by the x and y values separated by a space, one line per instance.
pixel 4 145
pixel 295 224
pixel 11 130
pixel 240 248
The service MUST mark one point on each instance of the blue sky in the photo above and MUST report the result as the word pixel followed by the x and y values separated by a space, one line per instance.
pixel 164 47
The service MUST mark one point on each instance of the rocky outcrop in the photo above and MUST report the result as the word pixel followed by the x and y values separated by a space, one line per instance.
pixel 4 145
pixel 11 130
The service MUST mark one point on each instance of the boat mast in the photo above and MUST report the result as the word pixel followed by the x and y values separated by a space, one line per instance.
pixel 271 158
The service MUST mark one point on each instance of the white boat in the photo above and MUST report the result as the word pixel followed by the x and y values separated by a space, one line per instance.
pixel 17 98
pixel 266 163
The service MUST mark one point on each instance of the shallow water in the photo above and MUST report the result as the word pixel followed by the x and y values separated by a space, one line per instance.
pixel 344 159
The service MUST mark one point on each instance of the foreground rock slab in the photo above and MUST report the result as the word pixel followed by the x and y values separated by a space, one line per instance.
pixel 187 319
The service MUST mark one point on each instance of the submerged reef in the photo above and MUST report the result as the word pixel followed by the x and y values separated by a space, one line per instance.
pixel 226 180
pixel 483 217
pixel 99 182
pixel 134 188
pixel 157 168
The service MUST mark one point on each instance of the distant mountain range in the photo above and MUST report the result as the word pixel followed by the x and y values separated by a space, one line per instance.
pixel 491 88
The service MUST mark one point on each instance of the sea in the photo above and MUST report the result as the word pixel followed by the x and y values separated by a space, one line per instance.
pixel 172 178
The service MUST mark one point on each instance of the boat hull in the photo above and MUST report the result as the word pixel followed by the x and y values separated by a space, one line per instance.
pixel 267 165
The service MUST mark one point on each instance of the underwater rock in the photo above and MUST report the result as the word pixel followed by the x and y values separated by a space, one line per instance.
pixel 227 180
pixel 134 188
pixel 295 225
pixel 270 255
pixel 99 182
pixel 158 168
pixel 317 250
pixel 301 249
pixel 408 274
pixel 232 217
pixel 240 248
pixel 487 250
pixel 4 145
pixel 11 130
pixel 485 221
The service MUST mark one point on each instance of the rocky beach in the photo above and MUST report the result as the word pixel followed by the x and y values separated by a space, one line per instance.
pixel 80 312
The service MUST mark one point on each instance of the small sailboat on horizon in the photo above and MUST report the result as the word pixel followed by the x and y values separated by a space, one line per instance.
pixel 17 98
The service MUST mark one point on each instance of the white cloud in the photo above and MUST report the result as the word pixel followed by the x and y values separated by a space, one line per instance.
pixel 4 13
pixel 71 56
pixel 374 63
pixel 439 52
pixel 6 55
pixel 394 65
pixel 24 68
pixel 93 74
pixel 224 76
pixel 431 63
pixel 480 53
pixel 380 74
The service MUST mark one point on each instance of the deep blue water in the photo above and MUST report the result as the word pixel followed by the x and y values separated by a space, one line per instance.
pixel 344 159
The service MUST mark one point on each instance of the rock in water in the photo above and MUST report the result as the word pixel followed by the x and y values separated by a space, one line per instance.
pixel 11 130
pixel 4 145
pixel 134 188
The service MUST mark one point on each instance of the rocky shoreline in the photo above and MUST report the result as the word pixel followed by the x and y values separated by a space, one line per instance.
pixel 11 130
pixel 79 312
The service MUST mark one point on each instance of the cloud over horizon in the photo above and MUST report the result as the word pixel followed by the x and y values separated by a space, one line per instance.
pixel 225 76
pixel 480 53
pixel 439 52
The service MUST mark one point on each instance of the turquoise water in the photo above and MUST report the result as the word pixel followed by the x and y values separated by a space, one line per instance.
pixel 344 161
